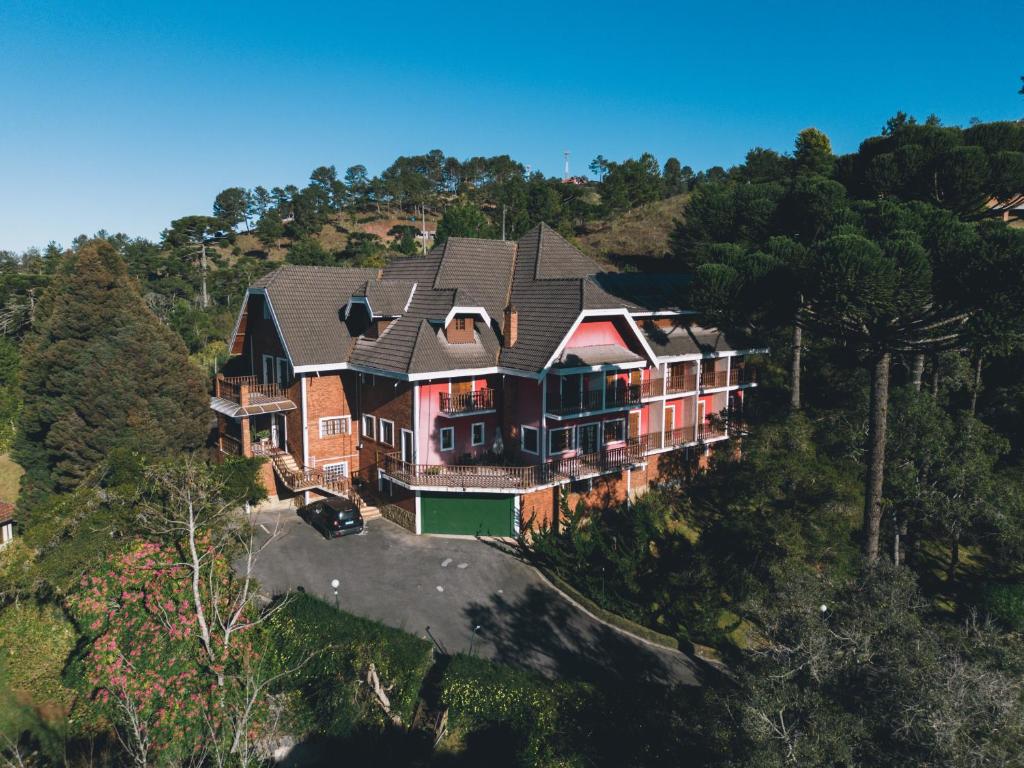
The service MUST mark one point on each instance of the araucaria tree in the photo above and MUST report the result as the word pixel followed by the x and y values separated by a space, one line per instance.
pixel 100 373
pixel 905 279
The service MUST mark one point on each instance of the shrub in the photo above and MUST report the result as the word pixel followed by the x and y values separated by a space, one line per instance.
pixel 327 700
pixel 1005 604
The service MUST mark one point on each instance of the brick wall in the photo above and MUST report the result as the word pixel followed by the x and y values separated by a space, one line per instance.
pixel 326 397
pixel 382 398
pixel 539 508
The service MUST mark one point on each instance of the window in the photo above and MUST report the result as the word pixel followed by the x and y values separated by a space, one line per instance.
pixel 283 372
pixel 335 425
pixel 560 440
pixel 530 441
pixel 614 431
pixel 460 324
pixel 447 437
pixel 334 472
pixel 479 433
pixel 268 369
pixel 369 427
pixel 266 308
pixel 387 432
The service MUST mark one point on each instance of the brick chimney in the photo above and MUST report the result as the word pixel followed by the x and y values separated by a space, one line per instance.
pixel 510 326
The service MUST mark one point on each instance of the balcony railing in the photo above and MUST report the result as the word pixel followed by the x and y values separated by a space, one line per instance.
pixel 235 388
pixel 608 459
pixel 598 400
pixel 456 403
pixel 711 431
pixel 742 374
pixel 672 384
pixel 712 379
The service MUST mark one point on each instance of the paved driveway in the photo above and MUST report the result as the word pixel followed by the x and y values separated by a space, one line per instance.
pixel 444 587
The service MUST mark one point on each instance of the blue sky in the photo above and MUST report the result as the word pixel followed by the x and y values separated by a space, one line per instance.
pixel 125 115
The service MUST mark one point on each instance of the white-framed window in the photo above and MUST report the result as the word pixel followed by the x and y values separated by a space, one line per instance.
pixel 268 369
pixel 283 372
pixel 266 308
pixel 614 431
pixel 560 440
pixel 529 440
pixel 335 425
pixel 335 471
pixel 447 438
pixel 387 431
pixel 369 427
pixel 478 433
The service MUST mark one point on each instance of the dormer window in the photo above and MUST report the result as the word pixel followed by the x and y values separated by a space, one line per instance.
pixel 460 324
pixel 460 330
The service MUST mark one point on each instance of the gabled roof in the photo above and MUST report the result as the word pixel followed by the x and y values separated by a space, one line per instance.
pixel 549 282
pixel 685 339
pixel 307 303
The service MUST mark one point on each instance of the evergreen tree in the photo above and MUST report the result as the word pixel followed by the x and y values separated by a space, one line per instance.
pixel 101 373
pixel 464 220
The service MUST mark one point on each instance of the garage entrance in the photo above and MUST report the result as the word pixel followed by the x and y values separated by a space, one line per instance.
pixel 470 514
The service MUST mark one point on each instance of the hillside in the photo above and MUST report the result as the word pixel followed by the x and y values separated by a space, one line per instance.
pixel 334 235
pixel 638 237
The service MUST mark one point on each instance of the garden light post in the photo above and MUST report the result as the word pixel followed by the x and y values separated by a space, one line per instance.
pixel 472 642
pixel 334 585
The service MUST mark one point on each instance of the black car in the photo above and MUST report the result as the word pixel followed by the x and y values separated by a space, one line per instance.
pixel 333 517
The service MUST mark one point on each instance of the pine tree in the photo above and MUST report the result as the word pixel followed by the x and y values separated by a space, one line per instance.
pixel 101 373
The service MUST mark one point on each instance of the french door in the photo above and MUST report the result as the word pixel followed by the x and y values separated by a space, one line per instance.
pixel 408 449
pixel 587 438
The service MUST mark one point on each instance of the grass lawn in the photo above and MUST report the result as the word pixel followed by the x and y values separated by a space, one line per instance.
pixel 10 477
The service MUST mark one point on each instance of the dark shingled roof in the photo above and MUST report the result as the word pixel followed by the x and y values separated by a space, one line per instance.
pixel 388 298
pixel 651 293
pixel 542 275
pixel 598 354
pixel 307 302
pixel 684 340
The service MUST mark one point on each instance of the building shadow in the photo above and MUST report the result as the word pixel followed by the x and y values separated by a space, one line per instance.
pixel 544 633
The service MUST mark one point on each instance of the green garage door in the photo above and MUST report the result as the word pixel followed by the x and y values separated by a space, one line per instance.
pixel 473 514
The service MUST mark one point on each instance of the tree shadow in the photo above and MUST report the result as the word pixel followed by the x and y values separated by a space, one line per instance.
pixel 543 633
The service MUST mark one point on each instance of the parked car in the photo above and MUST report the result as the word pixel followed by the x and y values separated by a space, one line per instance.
pixel 333 517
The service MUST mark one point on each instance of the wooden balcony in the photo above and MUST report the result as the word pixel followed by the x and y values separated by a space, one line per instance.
pixel 485 476
pixel 464 403
pixel 597 400
pixel 713 379
pixel 671 385
pixel 238 396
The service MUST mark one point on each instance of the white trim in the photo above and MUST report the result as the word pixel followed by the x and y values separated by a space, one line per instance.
pixel 345 431
pixel 588 313
pixel 380 432
pixel 415 420
pixel 542 445
pixel 401 445
pixel 599 428
pixel 572 439
pixel 370 434
pixel 480 311
pixel 411 294
pixel 522 439
pixel 277 326
pixel 483 434
pixel 305 431
pixel 419 515
pixel 244 309
pixel 440 439
pixel 638 365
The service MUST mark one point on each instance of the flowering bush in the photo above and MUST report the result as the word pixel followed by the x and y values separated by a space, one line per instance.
pixel 141 665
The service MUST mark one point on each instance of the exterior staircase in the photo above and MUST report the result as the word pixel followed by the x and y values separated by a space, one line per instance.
pixel 297 478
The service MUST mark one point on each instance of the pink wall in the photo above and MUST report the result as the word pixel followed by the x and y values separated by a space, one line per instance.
pixel 593 332
pixel 431 421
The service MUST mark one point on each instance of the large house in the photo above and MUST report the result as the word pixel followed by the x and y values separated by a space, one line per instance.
pixel 464 389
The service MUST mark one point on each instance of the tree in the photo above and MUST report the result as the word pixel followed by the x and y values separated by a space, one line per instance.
pixel 813 152
pixel 848 672
pixel 270 228
pixel 100 373
pixel 358 184
pixel 599 167
pixel 463 220
pixel 309 252
pixel 672 178
pixel 883 295
pixel 231 207
pixel 191 236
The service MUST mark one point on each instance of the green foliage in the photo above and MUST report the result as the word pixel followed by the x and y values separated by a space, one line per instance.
pixel 813 152
pixel 10 394
pixel 866 682
pixel 36 640
pixel 331 699
pixel 1004 603
pixel 309 252
pixel 636 561
pixel 463 220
